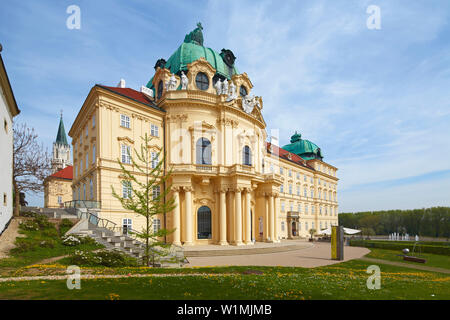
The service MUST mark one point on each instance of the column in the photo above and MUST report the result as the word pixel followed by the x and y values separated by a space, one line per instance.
pixel 188 196
pixel 275 218
pixel 248 237
pixel 223 218
pixel 266 218
pixel 271 218
pixel 238 217
pixel 176 217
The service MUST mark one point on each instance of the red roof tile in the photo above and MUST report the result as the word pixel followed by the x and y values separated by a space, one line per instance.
pixel 66 173
pixel 132 94
pixel 288 155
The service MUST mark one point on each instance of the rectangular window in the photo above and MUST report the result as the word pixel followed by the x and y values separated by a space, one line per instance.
pixel 299 207
pixel 156 192
pixel 87 130
pixel 298 176
pixel 154 130
pixel 156 225
pixel 126 189
pixel 127 225
pixel 282 225
pixel 282 188
pixel 306 226
pixel 290 189
pixel 304 178
pixel 76 170
pixel 312 193
pixel 125 121
pixel 59 199
pixel 154 156
pixel 290 173
pixel 84 191
pixel 126 154
pixel 87 160
pixel 306 208
pixel 281 170
pixel 91 189
pixel 305 193
pixel 298 191
pixel 93 121
pixel 93 153
pixel 291 207
pixel 313 209
pixel 282 206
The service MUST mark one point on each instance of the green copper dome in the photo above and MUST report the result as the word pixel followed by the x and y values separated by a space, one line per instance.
pixel 191 50
pixel 303 148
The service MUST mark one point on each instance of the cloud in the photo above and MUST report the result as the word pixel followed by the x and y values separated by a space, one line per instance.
pixel 375 101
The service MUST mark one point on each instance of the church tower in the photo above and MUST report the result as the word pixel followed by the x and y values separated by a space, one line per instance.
pixel 61 149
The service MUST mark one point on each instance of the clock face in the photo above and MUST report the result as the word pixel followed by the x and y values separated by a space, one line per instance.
pixel 228 57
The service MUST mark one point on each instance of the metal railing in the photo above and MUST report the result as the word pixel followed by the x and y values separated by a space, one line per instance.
pixel 97 221
pixel 89 204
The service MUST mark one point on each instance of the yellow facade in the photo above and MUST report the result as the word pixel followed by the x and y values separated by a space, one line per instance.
pixel 56 192
pixel 256 202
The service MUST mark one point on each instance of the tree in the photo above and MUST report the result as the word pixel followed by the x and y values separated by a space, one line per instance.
pixel 31 163
pixel 312 232
pixel 148 197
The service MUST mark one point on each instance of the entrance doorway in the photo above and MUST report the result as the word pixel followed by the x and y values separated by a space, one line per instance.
pixel 204 223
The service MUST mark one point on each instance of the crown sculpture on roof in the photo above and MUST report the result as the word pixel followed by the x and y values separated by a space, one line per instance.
pixel 195 36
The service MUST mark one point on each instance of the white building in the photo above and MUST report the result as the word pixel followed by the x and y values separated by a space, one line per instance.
pixel 8 110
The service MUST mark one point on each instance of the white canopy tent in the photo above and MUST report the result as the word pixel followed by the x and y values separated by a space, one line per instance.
pixel 346 231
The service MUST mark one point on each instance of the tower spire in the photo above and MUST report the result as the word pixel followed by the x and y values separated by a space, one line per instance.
pixel 61 137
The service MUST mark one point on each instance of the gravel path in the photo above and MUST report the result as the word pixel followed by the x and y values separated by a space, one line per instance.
pixel 406 265
pixel 117 276
pixel 8 237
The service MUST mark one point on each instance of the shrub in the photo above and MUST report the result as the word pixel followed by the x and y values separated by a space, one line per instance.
pixel 70 241
pixel 24 245
pixel 50 233
pixel 65 226
pixel 102 258
pixel 423 247
pixel 29 225
pixel 43 222
pixel 47 243
pixel 29 214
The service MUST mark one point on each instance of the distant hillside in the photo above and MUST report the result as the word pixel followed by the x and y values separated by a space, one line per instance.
pixel 430 222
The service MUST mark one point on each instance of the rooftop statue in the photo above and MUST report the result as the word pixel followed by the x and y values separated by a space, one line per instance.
pixel 195 36
pixel 218 87
pixel 232 93
pixel 172 83
pixel 225 86
pixel 184 81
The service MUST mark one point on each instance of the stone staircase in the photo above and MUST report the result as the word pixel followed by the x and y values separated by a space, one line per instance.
pixel 115 240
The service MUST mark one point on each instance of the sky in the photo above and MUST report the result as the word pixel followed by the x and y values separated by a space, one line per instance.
pixel 377 101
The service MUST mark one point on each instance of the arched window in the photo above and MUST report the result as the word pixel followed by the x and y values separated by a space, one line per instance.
pixel 160 89
pixel 204 223
pixel 203 150
pixel 247 156
pixel 202 81
pixel 243 91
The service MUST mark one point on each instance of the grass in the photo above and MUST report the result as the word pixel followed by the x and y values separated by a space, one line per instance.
pixel 341 281
pixel 35 251
pixel 433 260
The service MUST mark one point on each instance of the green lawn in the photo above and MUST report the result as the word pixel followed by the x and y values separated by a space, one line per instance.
pixel 433 260
pixel 37 245
pixel 341 281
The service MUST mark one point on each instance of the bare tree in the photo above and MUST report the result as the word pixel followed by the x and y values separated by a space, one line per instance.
pixel 32 163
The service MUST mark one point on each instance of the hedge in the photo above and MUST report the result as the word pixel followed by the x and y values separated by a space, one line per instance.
pixel 426 247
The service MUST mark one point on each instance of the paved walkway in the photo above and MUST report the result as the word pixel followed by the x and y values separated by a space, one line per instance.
pixel 406 265
pixel 316 255
pixel 8 237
